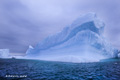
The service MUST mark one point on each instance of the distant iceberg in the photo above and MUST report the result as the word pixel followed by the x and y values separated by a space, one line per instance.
pixel 82 41
pixel 4 53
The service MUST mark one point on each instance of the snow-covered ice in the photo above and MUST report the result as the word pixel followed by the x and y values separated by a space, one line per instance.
pixel 82 41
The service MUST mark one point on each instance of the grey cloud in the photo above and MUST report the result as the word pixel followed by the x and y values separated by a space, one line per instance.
pixel 24 22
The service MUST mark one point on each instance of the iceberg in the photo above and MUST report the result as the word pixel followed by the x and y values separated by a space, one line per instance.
pixel 4 53
pixel 82 41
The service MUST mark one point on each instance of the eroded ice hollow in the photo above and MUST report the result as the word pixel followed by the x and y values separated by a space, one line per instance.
pixel 82 41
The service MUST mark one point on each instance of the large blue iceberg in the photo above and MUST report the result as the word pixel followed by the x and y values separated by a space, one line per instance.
pixel 82 41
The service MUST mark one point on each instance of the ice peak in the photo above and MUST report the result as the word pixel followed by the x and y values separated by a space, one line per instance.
pixel 84 18
pixel 31 47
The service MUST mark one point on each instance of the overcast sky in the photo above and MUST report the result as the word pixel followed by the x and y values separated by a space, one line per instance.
pixel 26 22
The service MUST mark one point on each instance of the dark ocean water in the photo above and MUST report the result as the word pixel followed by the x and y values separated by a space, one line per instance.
pixel 20 69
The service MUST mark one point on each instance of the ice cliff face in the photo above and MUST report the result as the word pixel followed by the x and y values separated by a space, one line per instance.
pixel 82 41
